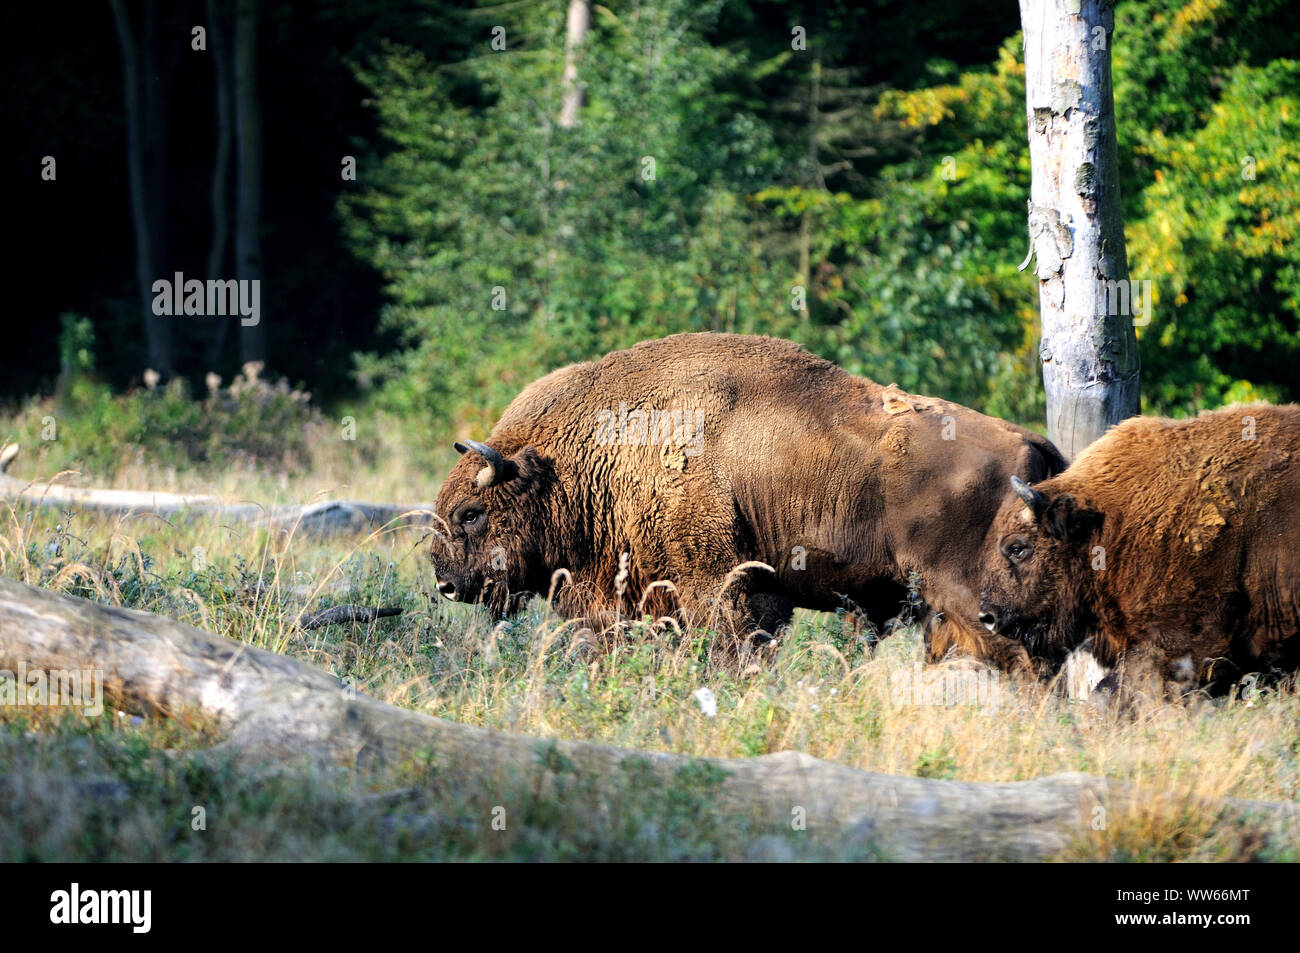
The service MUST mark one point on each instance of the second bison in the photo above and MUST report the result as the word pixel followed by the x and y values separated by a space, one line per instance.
pixel 655 474
pixel 1169 548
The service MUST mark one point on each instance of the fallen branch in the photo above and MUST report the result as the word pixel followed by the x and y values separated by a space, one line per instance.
pixel 278 710
pixel 336 614
pixel 314 519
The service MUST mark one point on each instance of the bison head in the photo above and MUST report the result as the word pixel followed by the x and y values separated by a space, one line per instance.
pixel 490 526
pixel 1037 565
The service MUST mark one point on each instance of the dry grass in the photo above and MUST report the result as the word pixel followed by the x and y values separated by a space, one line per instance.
pixel 822 691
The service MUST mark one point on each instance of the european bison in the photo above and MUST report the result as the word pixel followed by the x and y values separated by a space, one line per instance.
pixel 1169 548
pixel 698 453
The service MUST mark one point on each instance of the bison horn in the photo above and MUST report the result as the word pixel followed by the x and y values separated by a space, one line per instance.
pixel 496 467
pixel 1037 502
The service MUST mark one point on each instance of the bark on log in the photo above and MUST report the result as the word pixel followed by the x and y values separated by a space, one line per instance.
pixel 313 519
pixel 279 711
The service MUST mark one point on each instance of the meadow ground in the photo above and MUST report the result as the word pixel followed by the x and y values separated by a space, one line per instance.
pixel 119 787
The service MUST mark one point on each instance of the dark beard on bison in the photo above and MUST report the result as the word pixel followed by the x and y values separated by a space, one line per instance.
pixel 1037 640
pixel 496 597
pixel 500 601
pixel 1049 640
pixel 1037 635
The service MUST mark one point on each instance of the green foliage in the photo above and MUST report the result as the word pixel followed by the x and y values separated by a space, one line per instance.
pixel 249 424
pixel 512 245
pixel 588 255
pixel 1170 61
pixel 1204 102
pixel 928 293
pixel 912 224
pixel 918 282
pixel 76 344
pixel 938 764
pixel 1217 238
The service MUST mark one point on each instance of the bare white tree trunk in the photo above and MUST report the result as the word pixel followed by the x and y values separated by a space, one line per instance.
pixel 575 31
pixel 1089 353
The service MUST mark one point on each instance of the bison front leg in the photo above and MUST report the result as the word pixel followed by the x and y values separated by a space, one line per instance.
pixel 763 612
pixel 741 608
pixel 874 610
pixel 1135 684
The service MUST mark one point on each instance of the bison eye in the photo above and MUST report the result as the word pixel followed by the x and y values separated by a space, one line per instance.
pixel 1017 549
pixel 471 517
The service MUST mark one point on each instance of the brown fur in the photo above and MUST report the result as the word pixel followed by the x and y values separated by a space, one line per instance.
pixel 795 452
pixel 1200 533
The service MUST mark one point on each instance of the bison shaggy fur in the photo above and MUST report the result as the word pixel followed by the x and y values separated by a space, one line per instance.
pixel 1169 548
pixel 724 480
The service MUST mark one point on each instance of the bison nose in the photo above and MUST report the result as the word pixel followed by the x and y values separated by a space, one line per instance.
pixel 988 620
pixel 448 589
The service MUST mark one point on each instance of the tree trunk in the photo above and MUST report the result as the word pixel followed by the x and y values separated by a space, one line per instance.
pixel 248 210
pixel 219 26
pixel 814 166
pixel 146 168
pixel 280 712
pixel 575 31
pixel 1089 352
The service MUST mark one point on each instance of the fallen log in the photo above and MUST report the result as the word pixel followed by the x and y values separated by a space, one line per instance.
pixel 277 710
pixel 314 519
